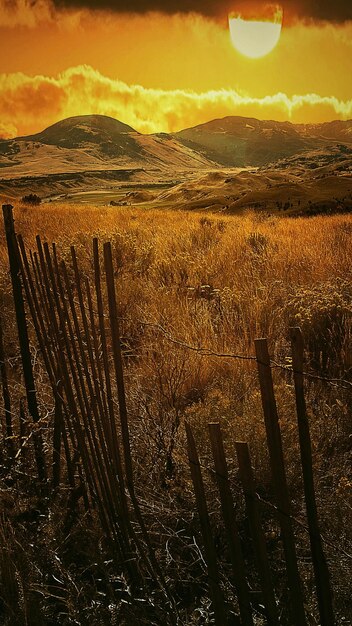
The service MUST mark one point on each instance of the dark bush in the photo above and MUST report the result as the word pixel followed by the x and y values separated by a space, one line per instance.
pixel 32 198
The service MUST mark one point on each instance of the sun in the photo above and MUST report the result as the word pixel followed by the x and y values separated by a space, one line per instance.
pixel 256 36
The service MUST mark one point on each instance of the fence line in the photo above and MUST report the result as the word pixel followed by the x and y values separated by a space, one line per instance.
pixel 254 517
pixel 91 432
pixel 229 517
pixel 208 539
pixel 204 351
pixel 303 526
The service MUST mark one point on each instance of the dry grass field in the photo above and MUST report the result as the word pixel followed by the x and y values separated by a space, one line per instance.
pixel 193 291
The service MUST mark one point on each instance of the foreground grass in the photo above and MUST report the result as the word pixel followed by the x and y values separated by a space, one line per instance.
pixel 183 280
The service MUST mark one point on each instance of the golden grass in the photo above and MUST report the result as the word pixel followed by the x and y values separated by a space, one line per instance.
pixel 219 282
pixel 210 281
pixel 254 266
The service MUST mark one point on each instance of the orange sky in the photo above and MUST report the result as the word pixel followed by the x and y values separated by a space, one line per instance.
pixel 163 73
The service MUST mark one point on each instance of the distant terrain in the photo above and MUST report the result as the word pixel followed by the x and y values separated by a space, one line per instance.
pixel 226 165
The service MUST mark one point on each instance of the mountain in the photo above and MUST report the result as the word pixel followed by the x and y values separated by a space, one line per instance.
pixel 77 132
pixel 96 153
pixel 241 141
pixel 93 143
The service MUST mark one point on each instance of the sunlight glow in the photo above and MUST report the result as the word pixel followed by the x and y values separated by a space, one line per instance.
pixel 255 38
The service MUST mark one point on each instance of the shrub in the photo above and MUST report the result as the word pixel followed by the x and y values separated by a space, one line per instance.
pixel 31 198
pixel 324 312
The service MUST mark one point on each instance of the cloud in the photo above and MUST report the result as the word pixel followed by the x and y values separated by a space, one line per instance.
pixel 7 130
pixel 28 104
pixel 25 12
pixel 32 12
pixel 331 10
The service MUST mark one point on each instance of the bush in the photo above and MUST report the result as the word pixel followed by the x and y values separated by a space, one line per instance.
pixel 324 313
pixel 32 198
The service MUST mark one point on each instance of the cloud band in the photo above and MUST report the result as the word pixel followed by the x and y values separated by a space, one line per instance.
pixel 29 104
pixel 336 10
pixel 30 12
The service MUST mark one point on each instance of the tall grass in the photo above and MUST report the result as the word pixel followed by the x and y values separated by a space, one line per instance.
pixel 215 282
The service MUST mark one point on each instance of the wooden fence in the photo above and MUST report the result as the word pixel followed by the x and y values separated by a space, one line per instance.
pixel 282 502
pixel 77 332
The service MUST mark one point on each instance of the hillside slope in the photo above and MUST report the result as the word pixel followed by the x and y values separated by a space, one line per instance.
pixel 319 181
pixel 93 142
pixel 241 141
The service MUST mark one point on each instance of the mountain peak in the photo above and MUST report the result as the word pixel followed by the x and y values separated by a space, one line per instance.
pixel 74 131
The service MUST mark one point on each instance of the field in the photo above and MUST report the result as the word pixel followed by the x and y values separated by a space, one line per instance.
pixel 194 291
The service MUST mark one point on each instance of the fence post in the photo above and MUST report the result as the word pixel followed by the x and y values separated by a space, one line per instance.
pixel 321 572
pixel 23 448
pixel 57 436
pixel 118 366
pixel 278 474
pixel 253 513
pixel 6 397
pixel 209 548
pixel 31 394
pixel 229 517
pixel 116 349
pixel 39 312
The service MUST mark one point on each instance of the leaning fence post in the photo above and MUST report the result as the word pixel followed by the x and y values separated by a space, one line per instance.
pixel 12 248
pixel 116 350
pixel 209 548
pixel 229 517
pixel 57 436
pixel 321 572
pixel 278 473
pixel 6 396
pixel 253 513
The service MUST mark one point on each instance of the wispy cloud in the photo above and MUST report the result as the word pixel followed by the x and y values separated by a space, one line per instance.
pixel 28 104
pixel 30 12
pixel 25 12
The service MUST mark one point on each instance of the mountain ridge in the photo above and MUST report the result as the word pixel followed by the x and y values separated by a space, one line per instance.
pixel 96 152
pixel 242 141
pixel 112 121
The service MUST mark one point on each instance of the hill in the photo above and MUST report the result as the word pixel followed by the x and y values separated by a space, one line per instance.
pixel 241 141
pixel 95 148
pixel 77 132
pixel 228 164
pixel 318 182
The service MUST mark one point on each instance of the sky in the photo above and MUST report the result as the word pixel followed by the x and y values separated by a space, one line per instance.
pixel 164 65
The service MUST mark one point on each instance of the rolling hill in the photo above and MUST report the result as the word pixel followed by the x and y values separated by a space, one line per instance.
pixel 226 165
pixel 318 181
pixel 93 147
pixel 242 142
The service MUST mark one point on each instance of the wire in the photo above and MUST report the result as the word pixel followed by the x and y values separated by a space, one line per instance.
pixel 203 351
pixel 299 523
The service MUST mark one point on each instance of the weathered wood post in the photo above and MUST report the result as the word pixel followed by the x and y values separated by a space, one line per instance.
pixel 278 474
pixel 31 393
pixel 229 517
pixel 6 397
pixel 321 572
pixel 253 513
pixel 57 438
pixel 209 547
pixel 116 350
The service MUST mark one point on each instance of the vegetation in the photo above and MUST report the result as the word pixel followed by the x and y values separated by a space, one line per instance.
pixel 185 282
pixel 31 198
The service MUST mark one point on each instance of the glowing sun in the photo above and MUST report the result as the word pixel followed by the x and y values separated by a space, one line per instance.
pixel 256 36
